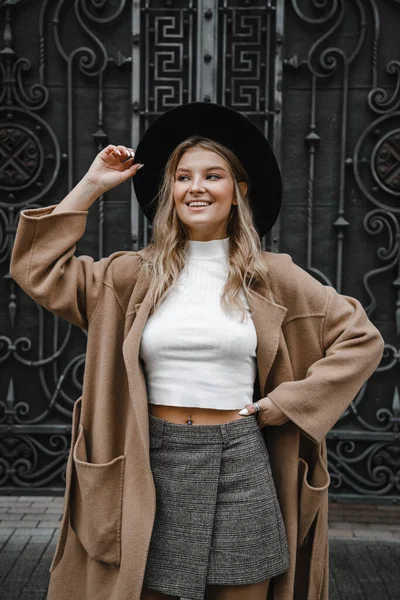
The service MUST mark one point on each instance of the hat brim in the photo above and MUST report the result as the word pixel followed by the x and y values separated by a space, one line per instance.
pixel 226 126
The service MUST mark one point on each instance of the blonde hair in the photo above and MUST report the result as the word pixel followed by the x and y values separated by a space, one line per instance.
pixel 165 254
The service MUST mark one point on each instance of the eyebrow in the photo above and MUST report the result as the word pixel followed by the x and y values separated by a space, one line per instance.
pixel 206 169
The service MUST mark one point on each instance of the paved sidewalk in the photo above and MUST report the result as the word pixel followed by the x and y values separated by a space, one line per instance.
pixel 364 559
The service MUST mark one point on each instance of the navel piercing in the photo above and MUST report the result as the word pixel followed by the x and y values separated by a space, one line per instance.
pixel 189 421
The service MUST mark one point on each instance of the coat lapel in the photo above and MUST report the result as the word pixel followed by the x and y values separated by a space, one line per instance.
pixel 267 318
pixel 135 320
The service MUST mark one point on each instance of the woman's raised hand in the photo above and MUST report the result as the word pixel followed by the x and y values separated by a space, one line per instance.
pixel 112 166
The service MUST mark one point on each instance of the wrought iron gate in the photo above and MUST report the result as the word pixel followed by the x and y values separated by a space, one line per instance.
pixel 317 77
pixel 65 71
pixel 341 160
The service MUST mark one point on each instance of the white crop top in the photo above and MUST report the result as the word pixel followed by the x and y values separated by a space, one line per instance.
pixel 193 353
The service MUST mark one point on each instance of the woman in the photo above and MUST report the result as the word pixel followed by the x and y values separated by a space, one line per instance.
pixel 172 489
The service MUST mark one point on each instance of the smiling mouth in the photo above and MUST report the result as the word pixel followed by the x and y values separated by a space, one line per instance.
pixel 198 208
pixel 198 205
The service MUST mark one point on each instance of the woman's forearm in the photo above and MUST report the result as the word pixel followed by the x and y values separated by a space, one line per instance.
pixel 81 197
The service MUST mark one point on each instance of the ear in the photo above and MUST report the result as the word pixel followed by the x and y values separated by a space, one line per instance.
pixel 243 188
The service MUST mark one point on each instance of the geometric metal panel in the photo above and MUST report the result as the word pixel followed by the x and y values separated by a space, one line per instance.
pixel 225 51
pixel 165 74
pixel 249 77
pixel 246 46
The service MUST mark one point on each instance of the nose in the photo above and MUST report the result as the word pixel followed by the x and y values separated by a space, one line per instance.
pixel 197 184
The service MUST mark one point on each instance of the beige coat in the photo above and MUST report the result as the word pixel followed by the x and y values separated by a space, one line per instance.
pixel 315 350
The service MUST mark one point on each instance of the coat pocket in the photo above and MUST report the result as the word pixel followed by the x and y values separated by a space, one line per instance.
pixel 96 511
pixel 312 490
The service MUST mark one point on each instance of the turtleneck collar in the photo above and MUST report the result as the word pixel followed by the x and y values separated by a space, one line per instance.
pixel 211 249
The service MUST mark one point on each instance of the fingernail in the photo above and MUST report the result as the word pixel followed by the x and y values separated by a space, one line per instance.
pixel 244 411
pixel 140 167
pixel 116 150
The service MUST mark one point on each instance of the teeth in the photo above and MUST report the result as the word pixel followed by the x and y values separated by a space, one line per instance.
pixel 198 203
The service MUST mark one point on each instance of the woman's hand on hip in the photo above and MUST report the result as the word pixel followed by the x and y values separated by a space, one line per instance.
pixel 112 166
pixel 269 414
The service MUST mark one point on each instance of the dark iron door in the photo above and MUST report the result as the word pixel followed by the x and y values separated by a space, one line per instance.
pixel 341 163
pixel 318 78
pixel 65 81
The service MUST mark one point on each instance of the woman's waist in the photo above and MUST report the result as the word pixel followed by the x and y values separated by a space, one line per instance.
pixel 197 415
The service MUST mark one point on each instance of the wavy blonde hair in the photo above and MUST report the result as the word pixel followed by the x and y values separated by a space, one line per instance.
pixel 165 254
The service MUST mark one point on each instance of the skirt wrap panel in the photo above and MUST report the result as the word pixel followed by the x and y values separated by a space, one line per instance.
pixel 217 519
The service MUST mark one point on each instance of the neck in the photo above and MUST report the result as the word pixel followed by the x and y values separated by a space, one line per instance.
pixel 210 249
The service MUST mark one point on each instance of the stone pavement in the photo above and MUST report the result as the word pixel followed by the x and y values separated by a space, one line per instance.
pixel 364 558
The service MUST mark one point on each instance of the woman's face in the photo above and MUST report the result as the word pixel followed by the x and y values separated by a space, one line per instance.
pixel 203 175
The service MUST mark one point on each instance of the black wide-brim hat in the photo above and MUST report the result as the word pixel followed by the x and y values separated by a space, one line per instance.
pixel 226 126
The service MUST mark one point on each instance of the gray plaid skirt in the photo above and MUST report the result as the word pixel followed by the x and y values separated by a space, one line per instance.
pixel 217 518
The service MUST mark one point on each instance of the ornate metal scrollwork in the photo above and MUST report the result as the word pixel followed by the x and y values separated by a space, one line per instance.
pixel 386 162
pixel 366 470
pixel 377 222
pixel 364 147
pixel 377 163
pixel 331 45
pixel 36 121
pixel 22 461
pixel 378 98
pixel 27 142
pixel 22 157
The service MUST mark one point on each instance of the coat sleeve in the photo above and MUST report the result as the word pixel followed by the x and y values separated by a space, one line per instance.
pixel 44 266
pixel 352 350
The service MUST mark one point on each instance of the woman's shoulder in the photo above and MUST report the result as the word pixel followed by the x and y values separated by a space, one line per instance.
pixel 283 268
pixel 276 260
pixel 122 273
pixel 293 285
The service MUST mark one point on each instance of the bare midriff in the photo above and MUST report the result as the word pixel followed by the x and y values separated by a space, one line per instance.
pixel 194 416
